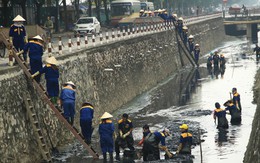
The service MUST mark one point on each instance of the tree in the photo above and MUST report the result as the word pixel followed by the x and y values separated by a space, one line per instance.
pixel 22 3
pixel 106 11
pixel 98 6
pixel 5 12
pixel 76 4
pixel 89 8
pixel 65 14
pixel 38 4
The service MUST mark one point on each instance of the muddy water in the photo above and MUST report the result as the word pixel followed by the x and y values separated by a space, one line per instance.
pixel 188 97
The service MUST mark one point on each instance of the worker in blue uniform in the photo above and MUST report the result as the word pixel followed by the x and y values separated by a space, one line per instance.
pixel 197 53
pixel 35 50
pixel 236 99
pixel 210 63
pixel 234 112
pixel 106 132
pixel 221 115
pixel 51 71
pixel 86 116
pixel 151 148
pixel 17 34
pixel 125 137
pixel 180 25
pixel 191 43
pixel 222 64
pixel 67 100
pixel 257 52
pixel 185 140
pixel 185 35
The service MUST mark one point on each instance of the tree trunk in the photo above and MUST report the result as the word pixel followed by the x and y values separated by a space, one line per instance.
pixel 65 15
pixel 5 13
pixel 89 8
pixel 98 3
pixel 77 8
pixel 106 11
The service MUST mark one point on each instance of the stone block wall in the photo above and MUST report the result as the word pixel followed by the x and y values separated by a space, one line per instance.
pixel 138 65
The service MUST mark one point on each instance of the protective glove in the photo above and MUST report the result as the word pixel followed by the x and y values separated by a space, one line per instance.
pixel 164 148
pixel 121 134
pixel 11 40
pixel 35 74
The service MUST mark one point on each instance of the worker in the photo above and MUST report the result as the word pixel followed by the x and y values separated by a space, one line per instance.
pixel 146 131
pixel 209 64
pixel 150 14
pixel 257 52
pixel 236 99
pixel 141 13
pixel 234 112
pixel 151 148
pixel 48 25
pixel 222 65
pixel 197 53
pixel 86 116
pixel 216 59
pixel 18 36
pixel 185 140
pixel 67 101
pixel 191 43
pixel 221 115
pixel 35 50
pixel 180 25
pixel 185 35
pixel 106 132
pixel 51 71
pixel 125 137
pixel 155 13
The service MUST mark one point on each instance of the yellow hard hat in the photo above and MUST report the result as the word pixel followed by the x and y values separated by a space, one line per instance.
pixel 184 126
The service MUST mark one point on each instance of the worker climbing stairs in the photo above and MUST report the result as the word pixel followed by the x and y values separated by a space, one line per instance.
pixel 43 95
pixel 184 48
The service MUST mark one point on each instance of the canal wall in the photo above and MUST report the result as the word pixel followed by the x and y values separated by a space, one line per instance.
pixel 252 153
pixel 108 76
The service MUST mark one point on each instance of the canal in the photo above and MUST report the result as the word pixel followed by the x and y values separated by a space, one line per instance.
pixel 188 96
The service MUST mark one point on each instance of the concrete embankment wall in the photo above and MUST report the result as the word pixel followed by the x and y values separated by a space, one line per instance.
pixel 253 147
pixel 144 61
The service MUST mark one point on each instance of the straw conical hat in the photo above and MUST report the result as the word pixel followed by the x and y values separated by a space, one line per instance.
pixel 38 37
pixel 191 36
pixel 52 60
pixel 106 115
pixel 184 27
pixel 18 18
pixel 70 83
pixel 180 18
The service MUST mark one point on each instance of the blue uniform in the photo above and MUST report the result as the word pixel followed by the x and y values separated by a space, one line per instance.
pixel 151 150
pixel 185 37
pixel 236 100
pixel 106 130
pixel 235 114
pixel 196 54
pixel 191 45
pixel 35 50
pixel 221 115
pixel 52 82
pixel 68 97
pixel 86 116
pixel 18 33
pixel 179 26
pixel 186 140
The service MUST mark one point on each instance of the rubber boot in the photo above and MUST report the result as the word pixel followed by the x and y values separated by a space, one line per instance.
pixel 104 157
pixel 71 121
pixel 111 159
pixel 117 157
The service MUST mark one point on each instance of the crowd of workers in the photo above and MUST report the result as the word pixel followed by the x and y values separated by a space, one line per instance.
pixel 233 106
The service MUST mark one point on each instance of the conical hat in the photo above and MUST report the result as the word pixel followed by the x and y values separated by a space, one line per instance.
pixel 18 18
pixel 70 83
pixel 184 27
pixel 180 18
pixel 191 36
pixel 38 37
pixel 52 60
pixel 106 115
